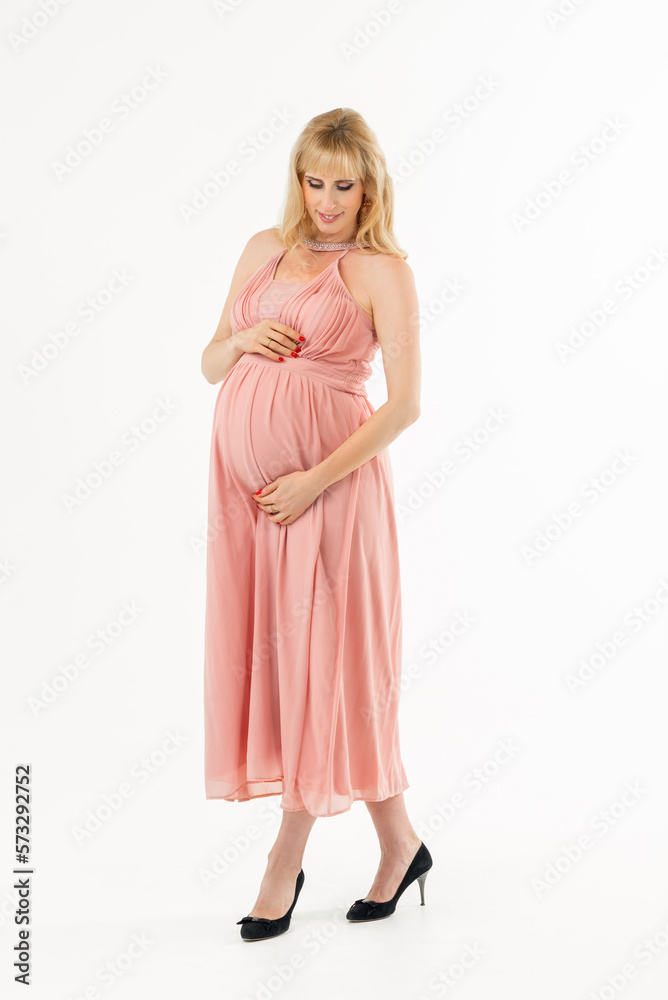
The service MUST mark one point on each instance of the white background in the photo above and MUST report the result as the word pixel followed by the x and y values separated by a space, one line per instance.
pixel 532 259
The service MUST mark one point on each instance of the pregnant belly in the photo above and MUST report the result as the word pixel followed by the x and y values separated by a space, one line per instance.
pixel 269 422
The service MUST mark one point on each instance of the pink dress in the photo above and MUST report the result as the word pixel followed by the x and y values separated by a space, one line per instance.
pixel 302 665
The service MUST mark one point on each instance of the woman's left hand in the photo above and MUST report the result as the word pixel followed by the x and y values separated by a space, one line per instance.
pixel 290 495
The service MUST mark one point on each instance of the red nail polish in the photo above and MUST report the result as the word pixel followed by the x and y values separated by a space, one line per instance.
pixel 294 354
pixel 280 357
pixel 302 338
pixel 258 491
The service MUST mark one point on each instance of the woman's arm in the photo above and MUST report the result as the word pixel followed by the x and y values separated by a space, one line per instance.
pixel 395 307
pixel 222 353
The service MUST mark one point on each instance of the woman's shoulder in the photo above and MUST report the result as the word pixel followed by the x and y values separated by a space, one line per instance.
pixel 259 248
pixel 382 266
pixel 267 240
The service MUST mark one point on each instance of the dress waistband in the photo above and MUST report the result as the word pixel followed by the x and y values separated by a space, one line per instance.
pixel 322 371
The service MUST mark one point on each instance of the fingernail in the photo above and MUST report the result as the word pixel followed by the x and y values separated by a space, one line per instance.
pixel 294 354
pixel 280 357
pixel 302 338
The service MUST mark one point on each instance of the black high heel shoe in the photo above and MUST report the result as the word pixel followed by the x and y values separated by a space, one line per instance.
pixel 366 909
pixel 258 928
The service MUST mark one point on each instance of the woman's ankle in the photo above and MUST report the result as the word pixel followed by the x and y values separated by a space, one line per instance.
pixel 283 863
pixel 408 845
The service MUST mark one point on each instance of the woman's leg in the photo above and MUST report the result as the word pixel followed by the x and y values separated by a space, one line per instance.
pixel 277 889
pixel 398 846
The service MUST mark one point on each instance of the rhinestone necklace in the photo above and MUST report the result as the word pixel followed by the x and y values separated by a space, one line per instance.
pixel 316 245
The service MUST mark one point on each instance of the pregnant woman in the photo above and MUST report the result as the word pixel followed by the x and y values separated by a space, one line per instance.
pixel 303 608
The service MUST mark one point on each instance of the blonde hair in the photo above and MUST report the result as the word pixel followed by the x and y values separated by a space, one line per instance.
pixel 339 143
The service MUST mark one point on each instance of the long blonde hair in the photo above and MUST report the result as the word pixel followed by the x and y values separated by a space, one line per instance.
pixel 340 143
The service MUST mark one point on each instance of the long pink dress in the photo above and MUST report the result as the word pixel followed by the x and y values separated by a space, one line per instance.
pixel 303 621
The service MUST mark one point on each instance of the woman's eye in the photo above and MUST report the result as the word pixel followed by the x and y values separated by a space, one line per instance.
pixel 318 186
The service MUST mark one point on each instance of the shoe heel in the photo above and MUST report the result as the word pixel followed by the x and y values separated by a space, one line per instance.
pixel 421 879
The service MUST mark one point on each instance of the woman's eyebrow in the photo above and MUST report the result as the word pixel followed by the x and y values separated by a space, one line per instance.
pixel 341 179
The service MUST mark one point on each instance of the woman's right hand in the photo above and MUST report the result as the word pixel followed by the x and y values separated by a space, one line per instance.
pixel 273 339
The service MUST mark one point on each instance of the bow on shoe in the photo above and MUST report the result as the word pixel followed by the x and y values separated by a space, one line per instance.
pixel 367 902
pixel 248 920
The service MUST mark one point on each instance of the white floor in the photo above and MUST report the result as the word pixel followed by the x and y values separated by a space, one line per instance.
pixel 484 930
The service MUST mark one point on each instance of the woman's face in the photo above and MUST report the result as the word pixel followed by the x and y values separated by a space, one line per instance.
pixel 340 197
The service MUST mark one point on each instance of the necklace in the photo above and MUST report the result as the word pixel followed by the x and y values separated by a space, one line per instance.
pixel 316 245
